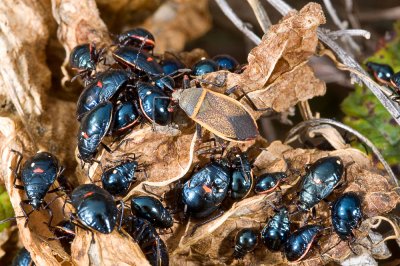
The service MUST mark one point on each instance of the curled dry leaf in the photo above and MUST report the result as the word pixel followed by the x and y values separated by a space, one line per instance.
pixel 105 249
pixel 277 67
pixel 215 238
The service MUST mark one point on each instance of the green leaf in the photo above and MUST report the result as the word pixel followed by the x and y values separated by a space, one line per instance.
pixel 6 209
pixel 364 112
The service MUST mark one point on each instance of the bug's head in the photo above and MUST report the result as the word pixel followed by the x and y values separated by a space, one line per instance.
pixel 36 203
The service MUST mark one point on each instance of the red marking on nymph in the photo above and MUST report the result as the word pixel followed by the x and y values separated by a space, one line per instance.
pixel 88 194
pixel 207 189
pixel 99 84
pixel 85 135
pixel 149 59
pixel 38 170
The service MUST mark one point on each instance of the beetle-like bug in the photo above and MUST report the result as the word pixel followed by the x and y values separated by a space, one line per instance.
pixel 204 66
pixel 118 179
pixel 22 258
pixel 382 72
pixel 148 240
pixel 137 37
pixel 269 182
pixel 94 126
pixel 84 58
pixel 171 65
pixel 242 177
pixel 206 189
pixel 103 87
pixel 346 215
pixel 95 208
pixel 125 116
pixel 218 113
pixel 245 241
pixel 226 62
pixel 277 230
pixel 320 180
pixel 154 103
pixel 300 242
pixel 151 209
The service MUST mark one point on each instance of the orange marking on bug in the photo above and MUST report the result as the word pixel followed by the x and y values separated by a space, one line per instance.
pixel 207 189
pixel 88 194
pixel 149 59
pixel 85 135
pixel 38 170
pixel 99 84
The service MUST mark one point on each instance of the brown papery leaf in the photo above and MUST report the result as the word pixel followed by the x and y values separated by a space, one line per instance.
pixel 105 249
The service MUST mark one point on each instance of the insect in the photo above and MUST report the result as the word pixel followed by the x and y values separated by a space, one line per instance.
pixel 269 182
pixel 94 126
pixel 22 258
pixel 226 62
pixel 118 179
pixel 103 87
pixel 277 230
pixel 149 241
pixel 137 37
pixel 245 241
pixel 222 115
pixel 346 215
pixel 154 103
pixel 206 189
pixel 300 242
pixel 382 72
pixel 84 59
pixel 242 176
pixel 37 175
pixel 95 208
pixel 125 116
pixel 151 209
pixel 204 66
pixel 171 65
pixel 320 180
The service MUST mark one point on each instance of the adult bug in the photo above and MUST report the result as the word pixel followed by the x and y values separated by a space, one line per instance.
pixel 277 230
pixel 204 66
pixel 382 72
pixel 95 208
pixel 148 240
pixel 94 126
pixel 346 215
pixel 320 180
pixel 102 88
pixel 22 258
pixel 118 178
pixel 151 209
pixel 137 37
pixel 269 182
pixel 226 62
pixel 37 175
pixel 218 113
pixel 84 59
pixel 242 176
pixel 245 241
pixel 300 242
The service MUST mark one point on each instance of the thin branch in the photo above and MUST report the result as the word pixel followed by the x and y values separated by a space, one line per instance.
pixel 378 15
pixel 237 21
pixel 350 32
pixel 349 6
pixel 316 122
pixel 281 6
pixel 261 14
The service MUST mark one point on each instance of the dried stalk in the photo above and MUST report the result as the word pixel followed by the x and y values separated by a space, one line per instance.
pixel 261 14
pixel 350 32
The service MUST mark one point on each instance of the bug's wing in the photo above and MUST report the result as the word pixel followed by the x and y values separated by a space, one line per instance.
pixel 226 118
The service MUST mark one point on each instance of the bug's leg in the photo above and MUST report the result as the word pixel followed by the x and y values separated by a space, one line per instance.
pixel 106 147
pixel 26 215
pixel 81 74
pixel 17 170
pixel 121 202
pixel 196 226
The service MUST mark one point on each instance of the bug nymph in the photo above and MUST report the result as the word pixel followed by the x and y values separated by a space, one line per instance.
pixel 245 241
pixel 277 230
pixel 242 176
pixel 137 37
pixel 152 210
pixel 382 72
pixel 84 59
pixel 269 182
pixel 22 258
pixel 222 115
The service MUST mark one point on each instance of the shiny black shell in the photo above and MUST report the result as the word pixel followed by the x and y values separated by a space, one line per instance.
pixel 94 126
pixel 242 177
pixel 151 209
pixel 276 231
pixel 22 258
pixel 135 58
pixel 95 208
pixel 171 65
pixel 137 37
pixel 38 173
pixel 226 62
pixel 245 241
pixel 125 116
pixel 165 83
pixel 101 89
pixel 82 57
pixel 382 72
pixel 148 240
pixel 268 182
pixel 206 189
pixel 118 179
pixel 155 109
pixel 300 242
pixel 204 66
pixel 395 80
pixel 319 181
pixel 346 215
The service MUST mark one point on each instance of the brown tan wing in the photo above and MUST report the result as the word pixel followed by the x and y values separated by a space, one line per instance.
pixel 225 117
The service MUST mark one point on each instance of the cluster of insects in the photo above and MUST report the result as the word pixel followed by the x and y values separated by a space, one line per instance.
pixel 140 87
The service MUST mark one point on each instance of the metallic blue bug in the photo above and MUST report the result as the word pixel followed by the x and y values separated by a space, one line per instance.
pixel 118 179
pixel 151 209
pixel 245 241
pixel 226 62
pixel 269 182
pixel 22 258
pixel 137 37
pixel 276 232
pixel 204 66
